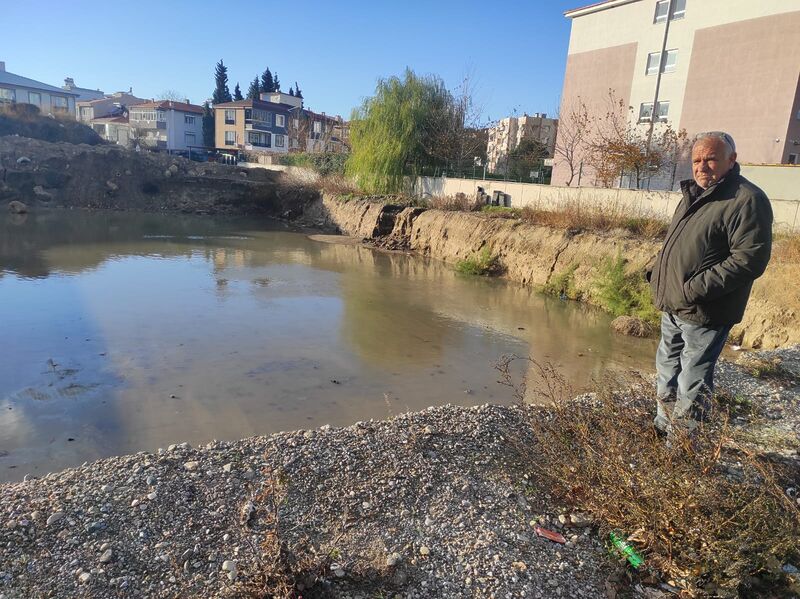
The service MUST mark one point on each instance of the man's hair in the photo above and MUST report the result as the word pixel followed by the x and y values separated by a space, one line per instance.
pixel 725 137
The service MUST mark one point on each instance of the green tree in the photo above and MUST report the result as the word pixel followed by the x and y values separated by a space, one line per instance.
pixel 397 130
pixel 237 93
pixel 276 83
pixel 254 91
pixel 526 157
pixel 291 91
pixel 221 91
pixel 297 91
pixel 208 126
pixel 267 83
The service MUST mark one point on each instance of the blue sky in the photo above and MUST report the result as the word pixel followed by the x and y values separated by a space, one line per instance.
pixel 514 51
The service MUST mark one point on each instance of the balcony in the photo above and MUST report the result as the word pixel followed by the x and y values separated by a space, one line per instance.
pixel 250 125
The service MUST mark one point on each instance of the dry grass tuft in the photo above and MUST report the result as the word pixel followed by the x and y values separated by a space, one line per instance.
pixel 597 217
pixel 787 248
pixel 766 368
pixel 710 516
pixel 460 202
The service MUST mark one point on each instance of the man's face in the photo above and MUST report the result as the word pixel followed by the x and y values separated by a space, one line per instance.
pixel 710 161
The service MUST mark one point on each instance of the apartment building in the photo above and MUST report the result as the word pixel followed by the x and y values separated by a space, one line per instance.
pixel 49 99
pixel 509 132
pixel 309 131
pixel 253 126
pixel 166 125
pixel 700 65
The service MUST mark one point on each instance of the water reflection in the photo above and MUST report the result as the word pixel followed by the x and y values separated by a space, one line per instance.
pixel 127 332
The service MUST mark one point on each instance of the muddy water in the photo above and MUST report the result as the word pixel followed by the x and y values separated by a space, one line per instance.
pixel 127 332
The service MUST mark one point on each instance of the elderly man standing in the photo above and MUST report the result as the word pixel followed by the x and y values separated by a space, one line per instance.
pixel 718 243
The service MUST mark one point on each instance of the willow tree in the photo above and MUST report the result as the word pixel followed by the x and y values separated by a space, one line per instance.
pixel 398 130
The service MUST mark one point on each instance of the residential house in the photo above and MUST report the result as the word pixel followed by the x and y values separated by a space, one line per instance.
pixel 252 126
pixel 166 125
pixel 47 98
pixel 509 132
pixel 699 65
pixel 318 132
pixel 107 105
pixel 108 116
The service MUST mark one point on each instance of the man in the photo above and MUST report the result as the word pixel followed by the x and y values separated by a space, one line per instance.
pixel 718 243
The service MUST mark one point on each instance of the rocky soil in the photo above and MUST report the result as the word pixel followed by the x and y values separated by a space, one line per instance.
pixel 65 175
pixel 431 504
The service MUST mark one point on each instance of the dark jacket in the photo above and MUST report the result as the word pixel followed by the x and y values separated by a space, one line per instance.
pixel 718 243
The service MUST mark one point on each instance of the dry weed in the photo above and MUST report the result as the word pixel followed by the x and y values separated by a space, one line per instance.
pixel 589 216
pixel 709 515
pixel 460 202
pixel 787 248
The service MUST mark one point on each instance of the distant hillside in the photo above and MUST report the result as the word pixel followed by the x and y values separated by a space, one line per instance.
pixel 25 120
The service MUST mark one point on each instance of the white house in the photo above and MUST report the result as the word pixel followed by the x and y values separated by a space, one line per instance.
pixel 49 99
pixel 166 125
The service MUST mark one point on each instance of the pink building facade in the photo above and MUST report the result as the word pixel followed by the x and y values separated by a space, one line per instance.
pixel 730 65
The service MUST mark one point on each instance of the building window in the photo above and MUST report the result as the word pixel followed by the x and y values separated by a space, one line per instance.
pixel 646 111
pixel 662 8
pixel 654 59
pixel 35 98
pixel 792 159
pixel 230 117
pixel 230 138
pixel 189 139
pixel 279 141
pixel 161 116
pixel 86 113
pixel 262 140
pixel 317 127
pixel 188 120
pixel 58 103
pixel 7 95
pixel 280 121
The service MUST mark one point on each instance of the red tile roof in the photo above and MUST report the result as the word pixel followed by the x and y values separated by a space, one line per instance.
pixel 170 105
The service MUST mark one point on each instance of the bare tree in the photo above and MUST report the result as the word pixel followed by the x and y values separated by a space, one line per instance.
pixel 619 146
pixel 572 141
pixel 171 94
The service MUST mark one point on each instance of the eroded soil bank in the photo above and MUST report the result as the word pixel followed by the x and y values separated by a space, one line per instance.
pixel 533 255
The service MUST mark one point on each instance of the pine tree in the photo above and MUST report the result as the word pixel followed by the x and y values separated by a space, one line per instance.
pixel 267 85
pixel 276 84
pixel 297 91
pixel 208 126
pixel 291 91
pixel 237 93
pixel 253 93
pixel 221 91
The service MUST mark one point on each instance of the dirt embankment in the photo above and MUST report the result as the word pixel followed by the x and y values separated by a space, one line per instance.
pixel 533 255
pixel 68 175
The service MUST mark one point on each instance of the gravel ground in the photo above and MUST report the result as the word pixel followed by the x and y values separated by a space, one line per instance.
pixel 429 504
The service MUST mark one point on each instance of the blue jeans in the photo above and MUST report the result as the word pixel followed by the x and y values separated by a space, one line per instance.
pixel 685 361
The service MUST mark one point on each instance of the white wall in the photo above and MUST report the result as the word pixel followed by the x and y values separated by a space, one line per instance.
pixel 659 204
pixel 177 128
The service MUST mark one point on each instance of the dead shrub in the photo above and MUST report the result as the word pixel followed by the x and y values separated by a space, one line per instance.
pixel 460 202
pixel 709 515
pixel 336 184
pixel 597 217
pixel 293 566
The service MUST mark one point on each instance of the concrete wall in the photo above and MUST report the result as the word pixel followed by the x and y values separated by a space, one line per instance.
pixel 659 204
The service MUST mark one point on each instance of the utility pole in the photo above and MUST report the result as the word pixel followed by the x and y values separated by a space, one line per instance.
pixel 661 63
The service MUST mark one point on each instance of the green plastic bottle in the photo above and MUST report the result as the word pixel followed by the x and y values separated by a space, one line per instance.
pixel 619 542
